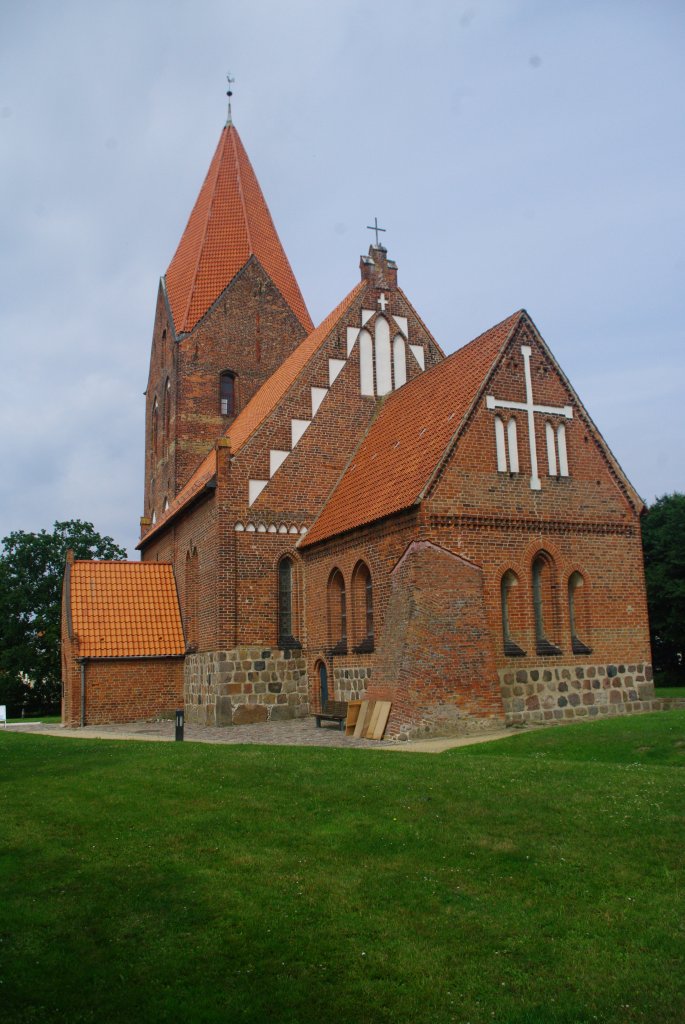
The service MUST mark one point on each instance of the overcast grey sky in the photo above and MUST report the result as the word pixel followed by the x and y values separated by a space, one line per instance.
pixel 519 153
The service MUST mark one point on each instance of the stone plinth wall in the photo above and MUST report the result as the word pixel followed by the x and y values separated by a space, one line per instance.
pixel 537 695
pixel 245 685
pixel 350 681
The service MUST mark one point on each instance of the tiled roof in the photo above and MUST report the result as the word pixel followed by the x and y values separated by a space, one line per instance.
pixel 273 390
pixel 200 478
pixel 408 438
pixel 125 610
pixel 230 222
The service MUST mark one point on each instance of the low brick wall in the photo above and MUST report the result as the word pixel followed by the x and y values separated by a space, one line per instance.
pixel 247 684
pixel 548 695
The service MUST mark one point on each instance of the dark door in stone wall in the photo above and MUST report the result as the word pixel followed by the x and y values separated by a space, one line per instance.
pixel 323 683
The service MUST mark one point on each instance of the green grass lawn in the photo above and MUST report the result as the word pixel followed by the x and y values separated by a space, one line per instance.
pixel 670 691
pixel 538 879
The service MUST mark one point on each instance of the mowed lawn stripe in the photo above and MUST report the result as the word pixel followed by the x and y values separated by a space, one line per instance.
pixel 523 881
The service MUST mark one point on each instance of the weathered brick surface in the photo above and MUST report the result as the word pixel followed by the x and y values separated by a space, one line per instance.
pixel 123 690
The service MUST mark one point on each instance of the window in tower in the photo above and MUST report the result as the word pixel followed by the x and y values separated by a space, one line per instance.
pixel 227 393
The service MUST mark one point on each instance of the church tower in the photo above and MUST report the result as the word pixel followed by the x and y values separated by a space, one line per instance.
pixel 229 312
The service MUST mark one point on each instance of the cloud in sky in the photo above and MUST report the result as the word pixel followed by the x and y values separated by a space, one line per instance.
pixel 519 154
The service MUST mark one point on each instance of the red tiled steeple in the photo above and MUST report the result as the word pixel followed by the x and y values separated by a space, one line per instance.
pixel 230 222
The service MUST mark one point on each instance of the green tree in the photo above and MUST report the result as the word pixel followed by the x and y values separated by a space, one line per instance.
pixel 31 572
pixel 663 537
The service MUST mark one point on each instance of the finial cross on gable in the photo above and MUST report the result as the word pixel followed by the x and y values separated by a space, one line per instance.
pixel 375 228
pixel 530 409
pixel 382 301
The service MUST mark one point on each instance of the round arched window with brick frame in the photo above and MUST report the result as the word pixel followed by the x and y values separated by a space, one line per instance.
pixel 362 609
pixel 545 604
pixel 337 613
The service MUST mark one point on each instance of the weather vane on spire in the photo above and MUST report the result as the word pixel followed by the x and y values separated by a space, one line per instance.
pixel 374 227
pixel 229 93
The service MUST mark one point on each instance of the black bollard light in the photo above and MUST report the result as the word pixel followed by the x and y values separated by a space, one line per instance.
pixel 179 723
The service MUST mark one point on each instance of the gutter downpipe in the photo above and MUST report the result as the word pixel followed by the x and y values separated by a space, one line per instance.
pixel 82 664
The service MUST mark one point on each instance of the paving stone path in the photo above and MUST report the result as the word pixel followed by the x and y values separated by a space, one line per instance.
pixel 299 732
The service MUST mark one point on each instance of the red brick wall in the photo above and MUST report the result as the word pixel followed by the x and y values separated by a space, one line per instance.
pixel 123 690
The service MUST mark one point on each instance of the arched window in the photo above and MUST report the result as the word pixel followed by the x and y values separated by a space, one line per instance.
pixel 337 613
pixel 167 409
pixel 154 426
pixel 362 609
pixel 227 393
pixel 578 613
pixel 511 625
pixel 544 604
pixel 286 614
pixel 191 603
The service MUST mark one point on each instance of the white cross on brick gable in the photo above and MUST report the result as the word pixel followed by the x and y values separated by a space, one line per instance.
pixel 530 409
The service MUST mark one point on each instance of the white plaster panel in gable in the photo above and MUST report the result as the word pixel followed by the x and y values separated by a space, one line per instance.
pixel 293 529
pixel 419 356
pixel 334 368
pixel 367 314
pixel 399 361
pixel 403 324
pixel 297 429
pixel 352 333
pixel 365 363
pixel 239 528
pixel 276 459
pixel 255 488
pixel 282 528
pixel 250 528
pixel 318 395
pixel 272 528
pixel 261 528
pixel 382 351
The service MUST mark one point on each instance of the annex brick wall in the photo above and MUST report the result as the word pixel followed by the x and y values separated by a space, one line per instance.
pixel 245 685
pixel 123 690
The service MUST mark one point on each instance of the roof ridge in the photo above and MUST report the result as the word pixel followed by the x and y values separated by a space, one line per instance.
pixel 241 193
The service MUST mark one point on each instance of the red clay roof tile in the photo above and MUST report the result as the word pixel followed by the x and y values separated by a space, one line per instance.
pixel 125 610
pixel 230 222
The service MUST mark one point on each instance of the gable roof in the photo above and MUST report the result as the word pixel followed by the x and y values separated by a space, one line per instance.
pixel 230 222
pixel 407 440
pixel 124 609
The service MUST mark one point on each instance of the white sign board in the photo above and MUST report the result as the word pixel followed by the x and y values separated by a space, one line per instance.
pixel 3 714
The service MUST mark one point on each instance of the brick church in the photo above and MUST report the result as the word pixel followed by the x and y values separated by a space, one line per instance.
pixel 342 511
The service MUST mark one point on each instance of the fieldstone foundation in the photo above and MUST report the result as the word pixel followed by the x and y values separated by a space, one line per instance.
pixel 548 695
pixel 350 682
pixel 245 685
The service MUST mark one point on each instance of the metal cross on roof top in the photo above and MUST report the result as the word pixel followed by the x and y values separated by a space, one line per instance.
pixel 375 228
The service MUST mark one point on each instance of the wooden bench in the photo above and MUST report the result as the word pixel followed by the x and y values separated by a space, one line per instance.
pixel 332 711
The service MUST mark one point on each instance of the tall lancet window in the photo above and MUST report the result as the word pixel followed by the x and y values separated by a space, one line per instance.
pixel 383 362
pixel 227 393
pixel 399 361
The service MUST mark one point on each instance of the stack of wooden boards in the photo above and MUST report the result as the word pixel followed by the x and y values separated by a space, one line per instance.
pixel 367 719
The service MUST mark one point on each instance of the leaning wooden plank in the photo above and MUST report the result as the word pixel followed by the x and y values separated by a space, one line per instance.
pixel 352 716
pixel 371 722
pixel 383 715
pixel 361 721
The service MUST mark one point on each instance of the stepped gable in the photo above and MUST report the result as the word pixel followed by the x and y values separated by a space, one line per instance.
pixel 405 443
pixel 230 223
pixel 275 388
pixel 125 610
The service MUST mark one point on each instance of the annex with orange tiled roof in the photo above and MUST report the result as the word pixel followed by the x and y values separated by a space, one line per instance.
pixel 124 610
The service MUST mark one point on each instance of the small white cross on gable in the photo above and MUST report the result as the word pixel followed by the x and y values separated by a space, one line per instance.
pixel 382 301
pixel 530 409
